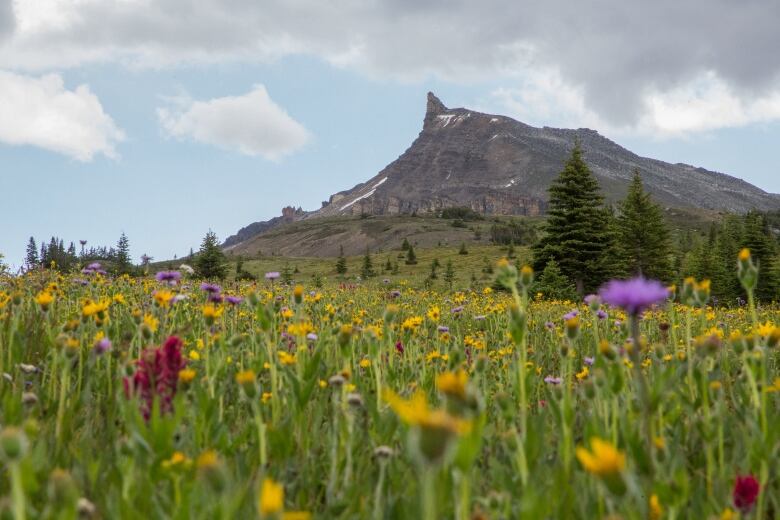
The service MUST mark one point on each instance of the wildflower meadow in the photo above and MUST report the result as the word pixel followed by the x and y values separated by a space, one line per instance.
pixel 167 396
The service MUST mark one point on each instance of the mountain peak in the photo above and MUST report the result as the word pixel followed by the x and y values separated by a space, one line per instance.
pixel 434 106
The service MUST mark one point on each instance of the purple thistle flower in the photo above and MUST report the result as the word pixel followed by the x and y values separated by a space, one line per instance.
pixel 233 300
pixel 553 380
pixel 311 336
pixel 94 266
pixel 601 314
pixel 395 294
pixel 102 346
pixel 215 297
pixel 272 275
pixel 179 297
pixel 443 328
pixel 592 299
pixel 570 315
pixel 588 361
pixel 479 317
pixel 635 295
pixel 457 310
pixel 549 325
pixel 171 277
pixel 210 288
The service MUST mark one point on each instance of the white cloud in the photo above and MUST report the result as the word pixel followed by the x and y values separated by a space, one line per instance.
pixel 627 63
pixel 40 111
pixel 251 124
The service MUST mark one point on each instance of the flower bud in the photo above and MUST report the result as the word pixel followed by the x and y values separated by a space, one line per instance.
pixel 526 277
pixel 13 444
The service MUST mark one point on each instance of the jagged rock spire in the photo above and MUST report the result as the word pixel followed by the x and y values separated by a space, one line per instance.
pixel 433 108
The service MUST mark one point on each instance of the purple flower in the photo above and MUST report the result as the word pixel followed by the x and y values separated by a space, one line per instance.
pixel 635 295
pixel 170 277
pixel 102 346
pixel 233 300
pixel 272 275
pixel 386 280
pixel 601 314
pixel 588 361
pixel 179 297
pixel 210 288
pixel 592 299
pixel 215 297
pixel 311 336
pixel 549 325
pixel 553 380
pixel 94 266
pixel 457 310
pixel 443 328
pixel 570 315
pixel 395 294
pixel 479 317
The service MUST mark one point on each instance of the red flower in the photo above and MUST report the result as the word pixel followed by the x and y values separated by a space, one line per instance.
pixel 157 376
pixel 746 490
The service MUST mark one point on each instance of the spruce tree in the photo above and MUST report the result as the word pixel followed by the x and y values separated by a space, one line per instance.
pixel 31 259
pixel 367 271
pixel 758 239
pixel 405 245
pixel 579 235
pixel 449 274
pixel 411 258
pixel 341 262
pixel 463 250
pixel 211 262
pixel 553 285
pixel 123 262
pixel 644 237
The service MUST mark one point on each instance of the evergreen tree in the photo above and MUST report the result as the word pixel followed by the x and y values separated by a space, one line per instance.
pixel 434 266
pixel 411 258
pixel 123 262
pixel 32 259
pixel 580 237
pixel 553 284
pixel 287 274
pixel 367 271
pixel 341 262
pixel 405 245
pixel 759 240
pixel 449 274
pixel 211 262
pixel 3 265
pixel 463 250
pixel 510 251
pixel 644 237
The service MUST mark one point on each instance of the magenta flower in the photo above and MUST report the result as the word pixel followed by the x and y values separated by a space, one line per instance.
pixel 745 492
pixel 635 295
pixel 233 300
pixel 553 380
pixel 170 277
pixel 210 288
pixel 156 376
pixel 272 275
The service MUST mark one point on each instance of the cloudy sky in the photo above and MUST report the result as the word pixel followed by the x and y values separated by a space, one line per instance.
pixel 164 118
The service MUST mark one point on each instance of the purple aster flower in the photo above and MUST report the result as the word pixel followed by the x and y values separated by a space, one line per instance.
pixel 94 266
pixel 592 299
pixel 395 294
pixel 102 346
pixel 233 300
pixel 311 336
pixel 81 281
pixel 272 275
pixel 635 295
pixel 588 361
pixel 179 297
pixel 210 288
pixel 171 277
pixel 570 315
pixel 601 314
pixel 553 380
pixel 457 310
pixel 215 297
pixel 549 325
pixel 443 328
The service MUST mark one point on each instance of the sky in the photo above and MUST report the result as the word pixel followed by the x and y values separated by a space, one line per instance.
pixel 163 119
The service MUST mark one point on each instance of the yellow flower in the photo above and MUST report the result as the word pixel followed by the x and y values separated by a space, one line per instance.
pixel 186 375
pixel 744 254
pixel 95 309
pixel 323 383
pixel 271 497
pixel 365 363
pixel 766 329
pixel 266 396
pixel 453 383
pixel 211 312
pixel 300 329
pixel 208 459
pixel 655 507
pixel 163 297
pixel 583 374
pixel 286 359
pixel 774 388
pixel 151 322
pixel 287 313
pixel 246 377
pixel 194 355
pixel 44 299
pixel 603 460
pixel 728 514
pixel 434 313
pixel 178 460
pixel 412 323
pixel 415 412
pixel 296 515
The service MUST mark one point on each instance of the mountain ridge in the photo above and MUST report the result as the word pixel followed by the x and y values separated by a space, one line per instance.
pixel 499 166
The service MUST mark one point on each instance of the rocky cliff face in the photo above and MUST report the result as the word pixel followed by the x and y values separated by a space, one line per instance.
pixel 498 166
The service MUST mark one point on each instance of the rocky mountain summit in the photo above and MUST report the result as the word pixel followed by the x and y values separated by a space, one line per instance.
pixel 499 166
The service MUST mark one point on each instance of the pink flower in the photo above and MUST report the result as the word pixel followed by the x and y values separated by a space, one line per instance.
pixel 156 376
pixel 745 492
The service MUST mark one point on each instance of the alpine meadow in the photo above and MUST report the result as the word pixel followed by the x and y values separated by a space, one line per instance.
pixel 507 320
